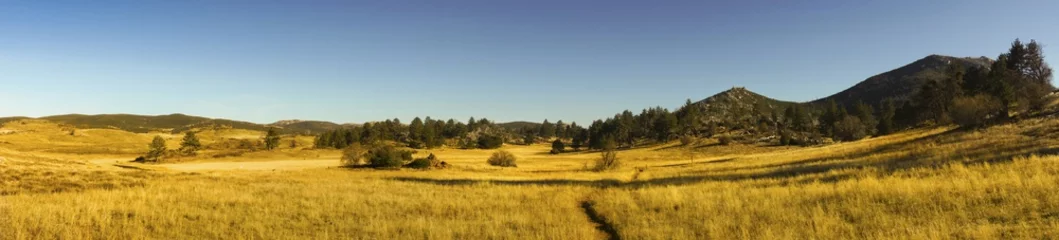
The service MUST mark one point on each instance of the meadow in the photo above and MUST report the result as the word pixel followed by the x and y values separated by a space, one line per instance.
pixel 935 183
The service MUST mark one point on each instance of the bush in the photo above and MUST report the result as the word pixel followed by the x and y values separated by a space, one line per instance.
pixel 557 146
pixel 353 155
pixel 388 157
pixel 426 163
pixel 688 140
pixel 724 140
pixel 419 163
pixel 785 138
pixel 974 111
pixel 607 161
pixel 502 158
pixel 490 142
pixel 850 128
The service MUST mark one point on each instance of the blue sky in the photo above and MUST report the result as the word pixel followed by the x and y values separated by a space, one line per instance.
pixel 356 61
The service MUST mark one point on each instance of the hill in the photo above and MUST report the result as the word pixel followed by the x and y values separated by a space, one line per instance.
pixel 305 126
pixel 737 105
pixel 902 82
pixel 128 122
pixel 516 125
pixel 176 123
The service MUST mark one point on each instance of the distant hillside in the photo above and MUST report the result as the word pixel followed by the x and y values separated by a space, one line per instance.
pixel 127 122
pixel 306 127
pixel 736 105
pixel 516 125
pixel 177 123
pixel 902 82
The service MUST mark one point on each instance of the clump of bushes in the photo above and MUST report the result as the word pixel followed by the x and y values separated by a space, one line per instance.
pixel 607 161
pixel 490 142
pixel 353 155
pixel 974 111
pixel 388 157
pixel 725 140
pixel 230 153
pixel 502 158
pixel 429 162
pixel 557 147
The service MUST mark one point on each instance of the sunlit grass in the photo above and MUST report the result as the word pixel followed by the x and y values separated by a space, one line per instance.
pixel 938 183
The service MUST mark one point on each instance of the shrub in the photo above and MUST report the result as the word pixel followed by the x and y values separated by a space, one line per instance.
pixel 230 153
pixel 490 142
pixel 973 111
pixel 353 155
pixel 557 146
pixel 724 140
pixel 850 129
pixel 419 163
pixel 688 140
pixel 430 161
pixel 388 157
pixel 502 158
pixel 607 161
pixel 785 138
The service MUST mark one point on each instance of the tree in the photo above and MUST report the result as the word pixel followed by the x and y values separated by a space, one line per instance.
pixel 849 128
pixel 271 139
pixel 579 139
pixel 689 119
pixel 557 146
pixel 156 149
pixel 387 156
pixel 974 111
pixel 864 112
pixel 490 142
pixel 560 129
pixel 415 129
pixel 547 130
pixel 190 143
pixel 353 155
pixel 886 118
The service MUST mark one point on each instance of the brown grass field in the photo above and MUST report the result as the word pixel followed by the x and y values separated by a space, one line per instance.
pixel 939 183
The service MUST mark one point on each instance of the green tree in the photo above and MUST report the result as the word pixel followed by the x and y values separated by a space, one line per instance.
pixel 547 130
pixel 271 139
pixel 886 118
pixel 190 144
pixel 190 141
pixel 865 113
pixel 415 129
pixel 690 118
pixel 558 146
pixel 156 150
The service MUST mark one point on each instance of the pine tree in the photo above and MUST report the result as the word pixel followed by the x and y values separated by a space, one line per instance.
pixel 547 130
pixel 271 139
pixel 886 118
pixel 156 149
pixel 190 143
pixel 415 130
pixel 867 117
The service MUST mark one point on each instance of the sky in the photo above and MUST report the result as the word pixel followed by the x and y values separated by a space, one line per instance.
pixel 357 61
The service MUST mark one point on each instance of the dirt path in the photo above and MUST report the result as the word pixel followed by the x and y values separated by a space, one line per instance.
pixel 601 223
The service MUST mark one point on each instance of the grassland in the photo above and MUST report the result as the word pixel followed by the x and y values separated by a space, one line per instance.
pixel 939 183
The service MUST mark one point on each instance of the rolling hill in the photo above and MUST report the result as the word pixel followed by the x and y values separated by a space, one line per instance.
pixel 902 82
pixel 733 105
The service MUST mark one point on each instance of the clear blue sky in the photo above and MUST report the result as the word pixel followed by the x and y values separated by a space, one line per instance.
pixel 354 61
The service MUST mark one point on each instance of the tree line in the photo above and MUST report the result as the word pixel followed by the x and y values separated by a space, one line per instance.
pixel 971 96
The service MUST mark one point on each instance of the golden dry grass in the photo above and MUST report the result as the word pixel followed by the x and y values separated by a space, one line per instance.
pixel 940 183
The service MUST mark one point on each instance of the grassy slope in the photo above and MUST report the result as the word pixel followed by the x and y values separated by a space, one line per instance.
pixel 931 183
